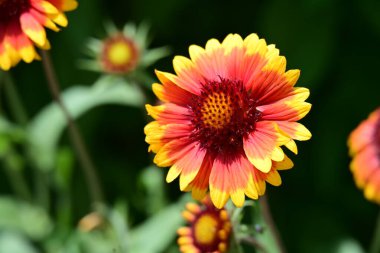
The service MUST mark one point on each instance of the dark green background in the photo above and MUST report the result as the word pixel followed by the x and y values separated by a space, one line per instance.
pixel 334 43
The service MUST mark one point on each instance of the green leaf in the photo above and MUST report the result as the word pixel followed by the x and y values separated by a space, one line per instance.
pixel 24 218
pixel 15 243
pixel 153 182
pixel 266 237
pixel 349 246
pixel 155 234
pixel 47 127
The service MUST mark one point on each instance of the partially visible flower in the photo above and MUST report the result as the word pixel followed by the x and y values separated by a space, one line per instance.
pixel 208 230
pixel 225 116
pixel 22 25
pixel 122 51
pixel 364 145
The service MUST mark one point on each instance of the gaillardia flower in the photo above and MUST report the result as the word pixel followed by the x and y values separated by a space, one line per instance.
pixel 22 25
pixel 364 145
pixel 224 117
pixel 208 231
pixel 122 51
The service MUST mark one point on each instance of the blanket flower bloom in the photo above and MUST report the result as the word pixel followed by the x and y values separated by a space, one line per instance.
pixel 224 117
pixel 208 231
pixel 364 145
pixel 122 51
pixel 22 25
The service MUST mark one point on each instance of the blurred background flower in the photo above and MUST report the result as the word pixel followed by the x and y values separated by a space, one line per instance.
pixel 122 51
pixel 208 228
pixel 364 144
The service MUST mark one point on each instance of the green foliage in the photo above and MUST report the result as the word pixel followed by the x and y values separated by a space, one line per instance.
pixel 15 243
pixel 19 217
pixel 46 128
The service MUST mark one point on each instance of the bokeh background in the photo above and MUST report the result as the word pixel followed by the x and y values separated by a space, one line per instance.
pixel 334 43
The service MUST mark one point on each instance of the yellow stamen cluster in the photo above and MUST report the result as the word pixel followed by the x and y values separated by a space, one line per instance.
pixel 217 110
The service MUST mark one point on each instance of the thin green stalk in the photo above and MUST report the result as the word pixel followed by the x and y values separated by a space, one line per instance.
pixel 17 182
pixel 74 133
pixel 249 240
pixel 42 191
pixel 15 175
pixel 375 245
pixel 15 104
pixel 267 216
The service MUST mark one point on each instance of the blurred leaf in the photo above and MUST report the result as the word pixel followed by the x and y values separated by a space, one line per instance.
pixel 266 237
pixel 65 162
pixel 153 55
pixel 46 128
pixel 30 220
pixel 15 243
pixel 349 246
pixel 152 179
pixel 96 242
pixel 118 218
pixel 155 234
pixel 11 130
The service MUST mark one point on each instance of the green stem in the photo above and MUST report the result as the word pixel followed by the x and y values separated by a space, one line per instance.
pixel 17 182
pixel 42 188
pixel 254 243
pixel 273 234
pixel 75 136
pixel 375 245
pixel 16 106
pixel 15 175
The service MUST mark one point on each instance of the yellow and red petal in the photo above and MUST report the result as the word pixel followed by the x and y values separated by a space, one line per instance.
pixel 33 29
pixel 363 134
pixel 295 130
pixel 200 185
pixel 260 145
pixel 285 164
pixel 364 164
pixel 285 111
pixel 219 184
pixel 239 175
pixel 64 5
pixel 170 92
pixel 190 164
pixel 209 62
pixel 170 152
pixel 169 113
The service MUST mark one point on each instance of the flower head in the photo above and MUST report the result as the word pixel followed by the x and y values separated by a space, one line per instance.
pixel 364 144
pixel 22 25
pixel 225 115
pixel 122 51
pixel 208 231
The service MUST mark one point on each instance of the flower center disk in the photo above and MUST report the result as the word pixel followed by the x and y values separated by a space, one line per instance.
pixel 205 230
pixel 223 114
pixel 12 8
pixel 119 54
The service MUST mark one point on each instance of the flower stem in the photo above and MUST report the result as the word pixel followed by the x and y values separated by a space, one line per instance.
pixel 17 182
pixel 15 104
pixel 265 211
pixel 75 136
pixel 375 245
pixel 15 175
pixel 254 243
